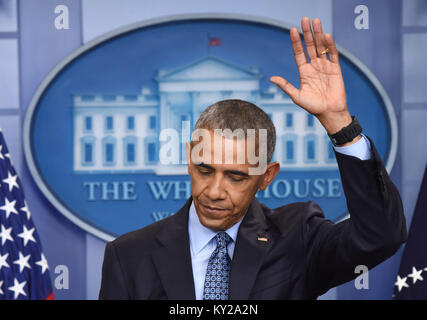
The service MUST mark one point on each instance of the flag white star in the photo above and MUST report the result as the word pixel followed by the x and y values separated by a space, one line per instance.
pixel 27 235
pixel 416 275
pixel 3 262
pixel 23 261
pixel 18 288
pixel 5 234
pixel 43 263
pixel 401 282
pixel 9 207
pixel 1 152
pixel 1 285
pixel 11 181
pixel 26 210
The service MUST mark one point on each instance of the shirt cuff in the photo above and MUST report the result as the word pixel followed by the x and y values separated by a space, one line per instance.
pixel 360 149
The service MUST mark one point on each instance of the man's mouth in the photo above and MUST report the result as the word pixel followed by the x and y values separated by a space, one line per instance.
pixel 212 209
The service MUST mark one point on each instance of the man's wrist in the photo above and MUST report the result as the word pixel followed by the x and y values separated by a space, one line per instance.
pixel 333 122
pixel 347 134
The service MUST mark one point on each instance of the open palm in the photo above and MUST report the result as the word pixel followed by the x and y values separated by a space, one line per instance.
pixel 321 87
pixel 322 91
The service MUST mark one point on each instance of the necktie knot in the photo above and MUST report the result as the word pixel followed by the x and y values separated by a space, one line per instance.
pixel 222 240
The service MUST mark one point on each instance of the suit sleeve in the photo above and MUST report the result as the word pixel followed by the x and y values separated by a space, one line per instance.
pixel 375 230
pixel 112 284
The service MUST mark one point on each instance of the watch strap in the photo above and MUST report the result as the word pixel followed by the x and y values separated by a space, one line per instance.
pixel 347 133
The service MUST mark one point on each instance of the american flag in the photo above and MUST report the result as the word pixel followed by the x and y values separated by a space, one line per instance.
pixel 411 282
pixel 213 41
pixel 24 272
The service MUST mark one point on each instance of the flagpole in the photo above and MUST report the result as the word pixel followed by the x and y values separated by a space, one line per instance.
pixel 209 47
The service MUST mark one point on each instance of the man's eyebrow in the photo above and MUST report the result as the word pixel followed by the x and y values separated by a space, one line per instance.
pixel 204 165
pixel 236 172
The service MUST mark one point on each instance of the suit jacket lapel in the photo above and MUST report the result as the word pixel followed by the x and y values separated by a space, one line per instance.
pixel 249 252
pixel 173 260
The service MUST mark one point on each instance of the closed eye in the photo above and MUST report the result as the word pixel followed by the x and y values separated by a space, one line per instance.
pixel 237 179
pixel 205 172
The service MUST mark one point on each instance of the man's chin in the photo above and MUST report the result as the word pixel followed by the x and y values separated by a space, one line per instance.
pixel 213 224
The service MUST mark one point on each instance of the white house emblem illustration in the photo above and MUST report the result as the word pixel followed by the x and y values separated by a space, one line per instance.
pixel 120 133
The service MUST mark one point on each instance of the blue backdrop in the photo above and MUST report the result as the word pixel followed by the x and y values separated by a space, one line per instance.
pixel 397 32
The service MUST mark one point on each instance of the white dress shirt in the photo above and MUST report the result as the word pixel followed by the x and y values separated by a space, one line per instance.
pixel 202 239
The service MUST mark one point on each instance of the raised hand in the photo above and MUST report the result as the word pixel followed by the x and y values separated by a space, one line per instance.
pixel 322 91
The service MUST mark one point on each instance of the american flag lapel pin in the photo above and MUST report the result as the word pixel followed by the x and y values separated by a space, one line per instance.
pixel 262 237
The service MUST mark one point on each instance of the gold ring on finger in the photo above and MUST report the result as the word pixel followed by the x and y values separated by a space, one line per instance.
pixel 325 51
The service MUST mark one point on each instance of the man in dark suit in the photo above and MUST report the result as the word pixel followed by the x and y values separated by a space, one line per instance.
pixel 224 244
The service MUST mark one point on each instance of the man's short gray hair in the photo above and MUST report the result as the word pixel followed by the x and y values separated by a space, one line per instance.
pixel 238 114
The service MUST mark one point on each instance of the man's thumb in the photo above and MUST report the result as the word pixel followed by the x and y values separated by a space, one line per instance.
pixel 288 88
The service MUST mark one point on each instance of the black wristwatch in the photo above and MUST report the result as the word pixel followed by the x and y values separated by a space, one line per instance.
pixel 347 133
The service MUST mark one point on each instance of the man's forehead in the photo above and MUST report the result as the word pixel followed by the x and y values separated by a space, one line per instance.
pixel 222 145
pixel 225 137
pixel 231 147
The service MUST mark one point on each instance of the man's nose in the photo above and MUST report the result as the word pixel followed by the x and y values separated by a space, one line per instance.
pixel 215 189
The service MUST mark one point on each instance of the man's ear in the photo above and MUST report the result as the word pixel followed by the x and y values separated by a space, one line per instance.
pixel 269 175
